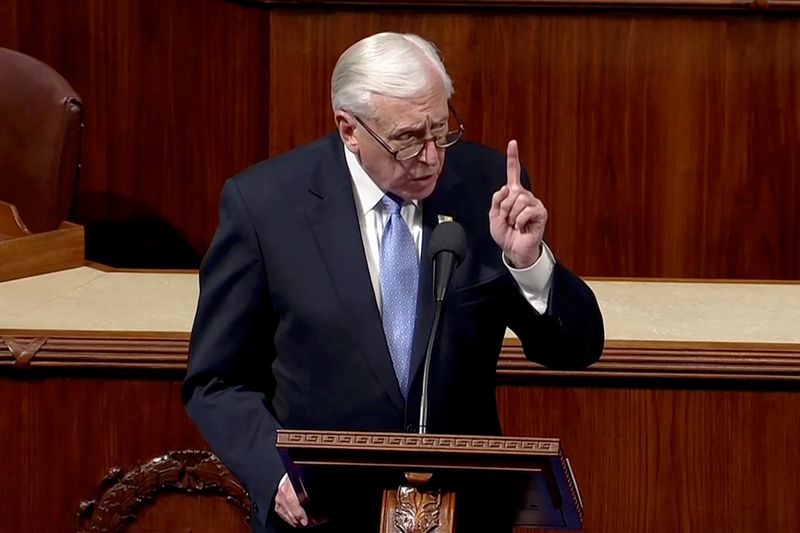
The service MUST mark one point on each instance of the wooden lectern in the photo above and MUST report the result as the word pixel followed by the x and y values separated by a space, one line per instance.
pixel 549 496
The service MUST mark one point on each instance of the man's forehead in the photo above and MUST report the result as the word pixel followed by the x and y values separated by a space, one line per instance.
pixel 408 122
pixel 412 115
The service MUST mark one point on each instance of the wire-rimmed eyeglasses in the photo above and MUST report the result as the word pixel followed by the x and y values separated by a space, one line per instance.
pixel 416 146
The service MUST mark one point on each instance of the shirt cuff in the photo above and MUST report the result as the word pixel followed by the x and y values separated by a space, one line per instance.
pixel 536 280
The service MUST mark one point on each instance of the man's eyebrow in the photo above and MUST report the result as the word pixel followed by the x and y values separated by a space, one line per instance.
pixel 407 128
pixel 416 127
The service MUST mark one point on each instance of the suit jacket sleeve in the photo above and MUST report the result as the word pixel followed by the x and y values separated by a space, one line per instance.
pixel 570 335
pixel 230 353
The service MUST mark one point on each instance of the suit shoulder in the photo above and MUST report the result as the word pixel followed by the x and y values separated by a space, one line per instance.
pixel 478 161
pixel 482 163
pixel 470 153
pixel 476 156
pixel 286 172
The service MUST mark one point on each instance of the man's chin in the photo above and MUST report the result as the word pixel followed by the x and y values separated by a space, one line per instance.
pixel 421 188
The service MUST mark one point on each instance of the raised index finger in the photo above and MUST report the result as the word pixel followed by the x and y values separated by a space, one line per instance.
pixel 512 163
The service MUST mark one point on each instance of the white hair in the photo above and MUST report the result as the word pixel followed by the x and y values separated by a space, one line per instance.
pixel 388 64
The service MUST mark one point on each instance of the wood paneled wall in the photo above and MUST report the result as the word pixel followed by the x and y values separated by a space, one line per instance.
pixel 650 458
pixel 669 454
pixel 176 99
pixel 664 142
pixel 61 435
pixel 662 145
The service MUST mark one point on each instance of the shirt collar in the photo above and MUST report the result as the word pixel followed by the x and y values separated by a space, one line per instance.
pixel 368 194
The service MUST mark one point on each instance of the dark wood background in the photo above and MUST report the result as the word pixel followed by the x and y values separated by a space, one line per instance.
pixel 665 142
pixel 702 444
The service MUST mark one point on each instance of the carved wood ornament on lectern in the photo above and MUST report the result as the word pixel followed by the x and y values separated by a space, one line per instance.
pixel 417 508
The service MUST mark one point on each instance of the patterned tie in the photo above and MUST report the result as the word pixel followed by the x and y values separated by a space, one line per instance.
pixel 399 280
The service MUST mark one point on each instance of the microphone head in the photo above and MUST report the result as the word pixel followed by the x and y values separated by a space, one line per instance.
pixel 448 237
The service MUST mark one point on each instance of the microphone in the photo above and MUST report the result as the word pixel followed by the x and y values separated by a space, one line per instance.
pixel 447 248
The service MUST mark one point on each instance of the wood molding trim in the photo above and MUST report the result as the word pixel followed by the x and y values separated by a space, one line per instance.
pixel 670 361
pixel 28 350
pixel 736 5
pixel 782 5
pixel 96 352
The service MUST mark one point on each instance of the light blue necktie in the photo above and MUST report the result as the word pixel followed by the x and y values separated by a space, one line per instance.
pixel 399 280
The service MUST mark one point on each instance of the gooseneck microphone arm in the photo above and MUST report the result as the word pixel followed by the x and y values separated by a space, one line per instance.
pixel 423 408
pixel 447 248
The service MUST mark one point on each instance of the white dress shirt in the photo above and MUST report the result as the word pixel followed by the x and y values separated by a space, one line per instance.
pixel 534 281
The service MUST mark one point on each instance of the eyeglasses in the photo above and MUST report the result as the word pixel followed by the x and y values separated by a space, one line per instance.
pixel 411 149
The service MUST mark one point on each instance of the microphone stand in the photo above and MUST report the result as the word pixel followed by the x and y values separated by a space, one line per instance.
pixel 423 411
pixel 448 246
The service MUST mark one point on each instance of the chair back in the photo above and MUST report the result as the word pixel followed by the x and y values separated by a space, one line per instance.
pixel 41 123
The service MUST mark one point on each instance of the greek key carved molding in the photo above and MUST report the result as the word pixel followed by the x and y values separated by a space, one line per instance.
pixel 411 442
pixel 573 490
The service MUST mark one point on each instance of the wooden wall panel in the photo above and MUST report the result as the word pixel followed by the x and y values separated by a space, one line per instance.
pixel 176 99
pixel 656 456
pixel 653 459
pixel 727 5
pixel 61 435
pixel 662 145
pixel 664 437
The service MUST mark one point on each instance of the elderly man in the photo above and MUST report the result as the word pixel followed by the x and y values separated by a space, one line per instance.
pixel 316 300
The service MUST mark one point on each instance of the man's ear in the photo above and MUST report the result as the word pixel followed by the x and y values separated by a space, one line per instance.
pixel 346 125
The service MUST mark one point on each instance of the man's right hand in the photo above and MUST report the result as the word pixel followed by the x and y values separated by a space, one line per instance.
pixel 288 507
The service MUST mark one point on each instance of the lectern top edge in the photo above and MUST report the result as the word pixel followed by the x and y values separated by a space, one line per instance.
pixel 411 442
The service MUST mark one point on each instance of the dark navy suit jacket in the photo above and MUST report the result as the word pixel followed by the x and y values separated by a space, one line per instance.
pixel 288 333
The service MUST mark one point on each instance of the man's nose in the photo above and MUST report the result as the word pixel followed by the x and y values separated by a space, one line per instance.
pixel 430 153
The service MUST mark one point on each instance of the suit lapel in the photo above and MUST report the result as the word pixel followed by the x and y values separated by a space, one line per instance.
pixel 334 222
